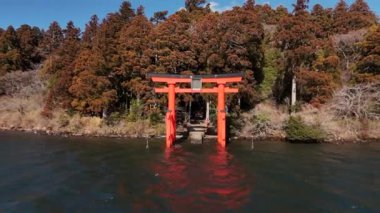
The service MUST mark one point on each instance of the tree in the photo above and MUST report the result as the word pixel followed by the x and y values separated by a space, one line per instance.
pixel 323 18
pixel 125 11
pixel 266 14
pixel 10 56
pixel 280 12
pixel 62 73
pixel 369 61
pixel 172 44
pixel 296 37
pixel 52 39
pixel 231 42
pixel 300 7
pixel 90 31
pixel 341 16
pixel 192 5
pixel 159 17
pixel 92 91
pixel 360 15
pixel 140 11
pixel 249 5
pixel 107 45
pixel 348 50
pixel 29 39
pixel 355 17
pixel 315 87
pixel 360 101
pixel 135 52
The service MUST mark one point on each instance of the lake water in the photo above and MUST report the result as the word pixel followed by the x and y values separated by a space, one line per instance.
pixel 56 174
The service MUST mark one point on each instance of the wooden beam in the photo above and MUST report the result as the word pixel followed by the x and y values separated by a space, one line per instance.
pixel 189 90
pixel 204 80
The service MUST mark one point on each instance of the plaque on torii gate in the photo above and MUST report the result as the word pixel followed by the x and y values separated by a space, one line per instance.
pixel 196 82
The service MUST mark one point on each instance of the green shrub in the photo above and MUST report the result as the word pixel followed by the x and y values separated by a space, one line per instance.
pixel 260 124
pixel 135 111
pixel 113 119
pixel 271 71
pixel 297 131
pixel 155 118
pixel 213 115
pixel 63 120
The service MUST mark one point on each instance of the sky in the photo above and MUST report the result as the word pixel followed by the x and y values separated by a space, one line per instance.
pixel 41 13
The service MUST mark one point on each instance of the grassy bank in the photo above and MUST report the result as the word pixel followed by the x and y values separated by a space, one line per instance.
pixel 265 121
pixel 269 121
pixel 25 115
pixel 22 102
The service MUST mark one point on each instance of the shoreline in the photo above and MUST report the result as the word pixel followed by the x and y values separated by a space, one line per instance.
pixel 207 138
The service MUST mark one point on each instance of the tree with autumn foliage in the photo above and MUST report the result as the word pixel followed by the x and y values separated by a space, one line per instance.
pixel 90 88
pixel 231 42
pixel 135 53
pixel 61 73
pixel 296 37
pixel 360 16
pixel 323 18
pixel 52 39
pixel 369 61
pixel 354 17
pixel 303 39
pixel 159 17
pixel 10 56
pixel 90 32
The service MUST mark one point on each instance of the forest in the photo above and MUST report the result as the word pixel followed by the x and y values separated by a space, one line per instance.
pixel 64 73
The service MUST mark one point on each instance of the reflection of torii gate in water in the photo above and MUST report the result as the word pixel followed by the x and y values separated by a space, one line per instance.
pixel 196 87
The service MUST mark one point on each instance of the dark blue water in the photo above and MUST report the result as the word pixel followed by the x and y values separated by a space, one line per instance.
pixel 56 174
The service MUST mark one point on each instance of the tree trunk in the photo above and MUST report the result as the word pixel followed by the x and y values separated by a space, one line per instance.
pixel 190 111
pixel 294 93
pixel 207 111
pixel 104 112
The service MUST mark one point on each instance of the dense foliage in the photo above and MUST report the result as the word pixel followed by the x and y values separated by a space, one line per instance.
pixel 103 69
pixel 297 131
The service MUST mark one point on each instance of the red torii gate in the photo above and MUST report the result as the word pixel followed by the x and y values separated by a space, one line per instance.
pixel 196 87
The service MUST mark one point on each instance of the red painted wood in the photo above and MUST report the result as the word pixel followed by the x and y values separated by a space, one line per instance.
pixel 189 90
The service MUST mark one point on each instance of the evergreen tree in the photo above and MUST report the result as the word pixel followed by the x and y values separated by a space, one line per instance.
pixel 62 73
pixel 90 31
pixel 323 19
pixel 341 16
pixel 135 52
pixel 29 39
pixel 192 5
pixel 300 7
pixel 10 56
pixel 52 39
pixel 360 15
pixel 159 17
pixel 370 52
pixel 249 5
pixel 92 91
pixel 296 37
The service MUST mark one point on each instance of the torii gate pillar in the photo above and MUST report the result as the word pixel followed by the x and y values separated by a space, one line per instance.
pixel 172 90
pixel 222 133
pixel 171 117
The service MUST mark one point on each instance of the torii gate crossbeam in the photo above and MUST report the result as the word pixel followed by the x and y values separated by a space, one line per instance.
pixel 171 80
